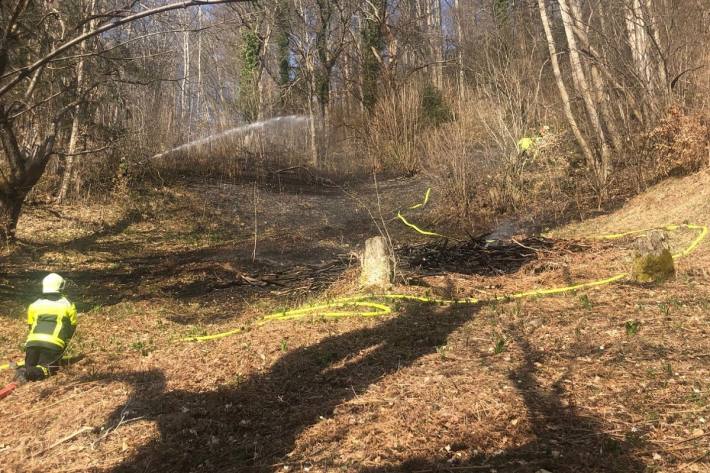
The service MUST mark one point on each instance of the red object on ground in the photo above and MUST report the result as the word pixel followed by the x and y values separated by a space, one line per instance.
pixel 4 392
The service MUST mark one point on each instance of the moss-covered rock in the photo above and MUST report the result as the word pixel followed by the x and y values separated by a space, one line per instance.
pixel 653 261
pixel 656 268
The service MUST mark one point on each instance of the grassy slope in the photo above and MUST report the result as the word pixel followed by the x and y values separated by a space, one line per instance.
pixel 565 383
pixel 674 200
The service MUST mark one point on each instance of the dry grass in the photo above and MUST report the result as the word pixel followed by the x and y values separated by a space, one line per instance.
pixel 563 383
pixel 395 131
pixel 674 200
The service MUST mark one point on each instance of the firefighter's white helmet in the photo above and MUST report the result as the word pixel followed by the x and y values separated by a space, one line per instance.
pixel 52 283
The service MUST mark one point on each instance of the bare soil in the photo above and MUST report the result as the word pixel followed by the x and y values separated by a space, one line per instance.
pixel 613 379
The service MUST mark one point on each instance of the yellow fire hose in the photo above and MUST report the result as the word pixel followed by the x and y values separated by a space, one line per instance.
pixel 414 227
pixel 348 306
pixel 20 364
pixel 6 366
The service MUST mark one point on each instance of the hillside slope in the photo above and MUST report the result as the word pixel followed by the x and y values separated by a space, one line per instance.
pixel 608 379
pixel 674 200
pixel 684 200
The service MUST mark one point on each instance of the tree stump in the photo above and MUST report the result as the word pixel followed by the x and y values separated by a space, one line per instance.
pixel 376 265
pixel 653 261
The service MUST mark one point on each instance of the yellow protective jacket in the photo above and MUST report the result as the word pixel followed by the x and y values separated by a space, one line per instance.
pixel 525 143
pixel 52 322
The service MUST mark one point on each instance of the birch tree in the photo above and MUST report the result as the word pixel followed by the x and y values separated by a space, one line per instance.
pixel 68 174
pixel 601 165
pixel 562 87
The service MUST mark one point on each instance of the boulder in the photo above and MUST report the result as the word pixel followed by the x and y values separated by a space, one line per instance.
pixel 652 260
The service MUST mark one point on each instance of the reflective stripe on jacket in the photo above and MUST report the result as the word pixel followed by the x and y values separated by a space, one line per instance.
pixel 52 322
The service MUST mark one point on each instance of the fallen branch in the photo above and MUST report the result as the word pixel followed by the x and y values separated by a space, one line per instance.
pixel 690 439
pixel 536 250
pixel 65 439
pixel 121 421
pixel 694 461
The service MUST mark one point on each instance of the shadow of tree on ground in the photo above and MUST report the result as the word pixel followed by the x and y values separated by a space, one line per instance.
pixel 255 424
pixel 565 440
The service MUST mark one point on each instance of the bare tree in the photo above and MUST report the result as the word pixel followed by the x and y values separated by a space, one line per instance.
pixel 78 111
pixel 73 82
pixel 22 166
pixel 601 165
pixel 562 88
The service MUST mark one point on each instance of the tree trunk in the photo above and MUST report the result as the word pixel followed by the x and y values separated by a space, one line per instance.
pixel 263 89
pixel 433 19
pixel 68 174
pixel 369 47
pixel 638 42
pixel 601 167
pixel 312 129
pixel 598 84
pixel 19 172
pixel 642 32
pixel 562 88
pixel 14 188
pixel 198 98
pixel 631 102
pixel 459 48
pixel 439 42
pixel 348 86
pixel 376 264
pixel 10 210
pixel 185 83
pixel 652 259
pixel 662 76
pixel 360 45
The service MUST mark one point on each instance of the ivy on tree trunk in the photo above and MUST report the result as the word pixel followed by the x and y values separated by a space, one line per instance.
pixel 283 44
pixel 248 83
pixel 373 43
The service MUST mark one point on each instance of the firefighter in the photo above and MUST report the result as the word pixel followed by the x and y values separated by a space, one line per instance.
pixel 52 323
pixel 527 146
pixel 524 144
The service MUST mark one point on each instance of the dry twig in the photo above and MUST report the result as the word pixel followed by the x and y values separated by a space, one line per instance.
pixel 65 439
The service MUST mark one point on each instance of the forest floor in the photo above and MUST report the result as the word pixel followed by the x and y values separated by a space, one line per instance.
pixel 609 379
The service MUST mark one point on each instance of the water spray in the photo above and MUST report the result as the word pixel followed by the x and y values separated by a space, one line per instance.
pixel 243 132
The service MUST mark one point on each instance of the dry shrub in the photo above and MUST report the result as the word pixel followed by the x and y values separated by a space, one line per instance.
pixel 541 184
pixel 678 145
pixel 393 141
pixel 474 163
pixel 94 178
pixel 236 162
pixel 453 157
pixel 534 187
pixel 347 143
pixel 97 175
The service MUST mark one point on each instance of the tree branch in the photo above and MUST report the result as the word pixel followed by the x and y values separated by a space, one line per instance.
pixel 13 153
pixel 28 70
pixel 19 7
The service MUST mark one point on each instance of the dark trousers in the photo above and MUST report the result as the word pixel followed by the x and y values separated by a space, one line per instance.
pixel 41 362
